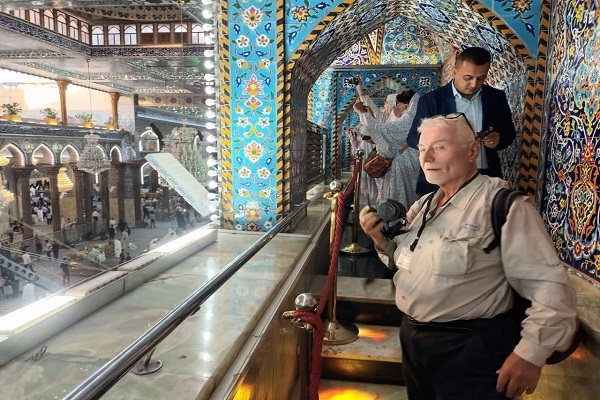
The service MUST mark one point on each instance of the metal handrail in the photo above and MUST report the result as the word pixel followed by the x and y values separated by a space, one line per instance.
pixel 106 376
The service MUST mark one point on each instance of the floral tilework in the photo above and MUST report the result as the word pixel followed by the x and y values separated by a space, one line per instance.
pixel 523 16
pixel 571 146
pixel 253 56
pixel 405 42
pixel 357 54
pixel 456 21
pixel 301 17
pixel 322 98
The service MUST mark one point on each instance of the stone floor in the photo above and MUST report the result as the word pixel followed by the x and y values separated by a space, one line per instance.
pixel 338 390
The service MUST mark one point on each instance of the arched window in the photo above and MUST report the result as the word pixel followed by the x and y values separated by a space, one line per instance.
pixel 147 34
pixel 114 35
pixel 61 24
pixel 48 20
pixel 149 141
pixel 85 33
pixel 130 35
pixel 97 36
pixel 73 29
pixel 164 34
pixel 181 33
pixel 197 34
pixel 34 17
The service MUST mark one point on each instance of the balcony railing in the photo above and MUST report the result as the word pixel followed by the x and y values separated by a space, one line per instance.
pixel 115 33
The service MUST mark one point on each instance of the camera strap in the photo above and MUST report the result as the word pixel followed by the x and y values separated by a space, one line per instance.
pixel 413 246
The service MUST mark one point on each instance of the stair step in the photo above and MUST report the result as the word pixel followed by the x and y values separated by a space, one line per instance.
pixel 334 389
pixel 375 357
pixel 374 343
pixel 364 290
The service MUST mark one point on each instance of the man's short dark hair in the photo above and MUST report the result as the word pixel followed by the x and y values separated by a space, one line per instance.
pixel 475 55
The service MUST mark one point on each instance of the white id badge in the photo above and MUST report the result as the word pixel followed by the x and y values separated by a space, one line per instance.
pixel 404 258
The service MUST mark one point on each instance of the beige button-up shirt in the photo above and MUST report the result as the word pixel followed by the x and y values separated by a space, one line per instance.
pixel 449 276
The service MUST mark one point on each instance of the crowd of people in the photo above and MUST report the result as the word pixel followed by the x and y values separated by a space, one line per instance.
pixel 460 338
pixel 41 207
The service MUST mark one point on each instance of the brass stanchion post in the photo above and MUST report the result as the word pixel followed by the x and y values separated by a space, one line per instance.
pixel 354 248
pixel 336 332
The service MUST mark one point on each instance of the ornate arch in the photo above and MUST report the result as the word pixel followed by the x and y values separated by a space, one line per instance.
pixel 42 154
pixel 69 154
pixel 345 25
pixel 15 153
pixel 116 151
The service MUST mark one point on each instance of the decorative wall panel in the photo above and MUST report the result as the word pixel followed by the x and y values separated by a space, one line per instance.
pixel 570 199
pixel 254 153
pixel 407 43
pixel 304 18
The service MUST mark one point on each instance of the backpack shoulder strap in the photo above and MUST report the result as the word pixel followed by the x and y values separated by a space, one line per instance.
pixel 501 203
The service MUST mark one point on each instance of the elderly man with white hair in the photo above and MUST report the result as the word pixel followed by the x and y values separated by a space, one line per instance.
pixel 459 338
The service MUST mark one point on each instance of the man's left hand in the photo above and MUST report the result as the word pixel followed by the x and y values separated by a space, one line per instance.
pixel 517 376
pixel 492 140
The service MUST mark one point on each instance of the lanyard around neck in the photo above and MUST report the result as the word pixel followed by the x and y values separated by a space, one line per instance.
pixel 413 246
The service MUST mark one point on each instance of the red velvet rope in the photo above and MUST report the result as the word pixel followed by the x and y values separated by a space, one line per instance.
pixel 314 318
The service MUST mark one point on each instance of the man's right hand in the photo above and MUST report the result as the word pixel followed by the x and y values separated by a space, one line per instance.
pixel 372 224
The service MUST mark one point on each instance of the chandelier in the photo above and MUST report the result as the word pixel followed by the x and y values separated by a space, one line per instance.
pixel 92 159
pixel 185 146
pixel 4 161
pixel 6 196
pixel 64 183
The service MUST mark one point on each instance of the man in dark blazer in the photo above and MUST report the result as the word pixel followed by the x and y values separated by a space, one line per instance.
pixel 485 107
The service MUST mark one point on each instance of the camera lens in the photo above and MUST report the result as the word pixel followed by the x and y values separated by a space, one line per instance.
pixel 391 210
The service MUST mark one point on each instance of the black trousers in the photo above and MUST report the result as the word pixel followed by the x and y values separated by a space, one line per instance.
pixel 456 360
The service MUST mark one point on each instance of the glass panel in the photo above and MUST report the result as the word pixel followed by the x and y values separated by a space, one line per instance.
pixel 114 36
pixel 61 24
pixel 34 16
pixel 49 20
pixel 73 30
pixel 97 36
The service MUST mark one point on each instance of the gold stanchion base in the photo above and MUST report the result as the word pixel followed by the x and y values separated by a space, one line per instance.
pixel 340 332
pixel 354 248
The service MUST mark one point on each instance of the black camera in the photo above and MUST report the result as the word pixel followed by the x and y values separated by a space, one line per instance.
pixel 392 211
pixel 355 80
